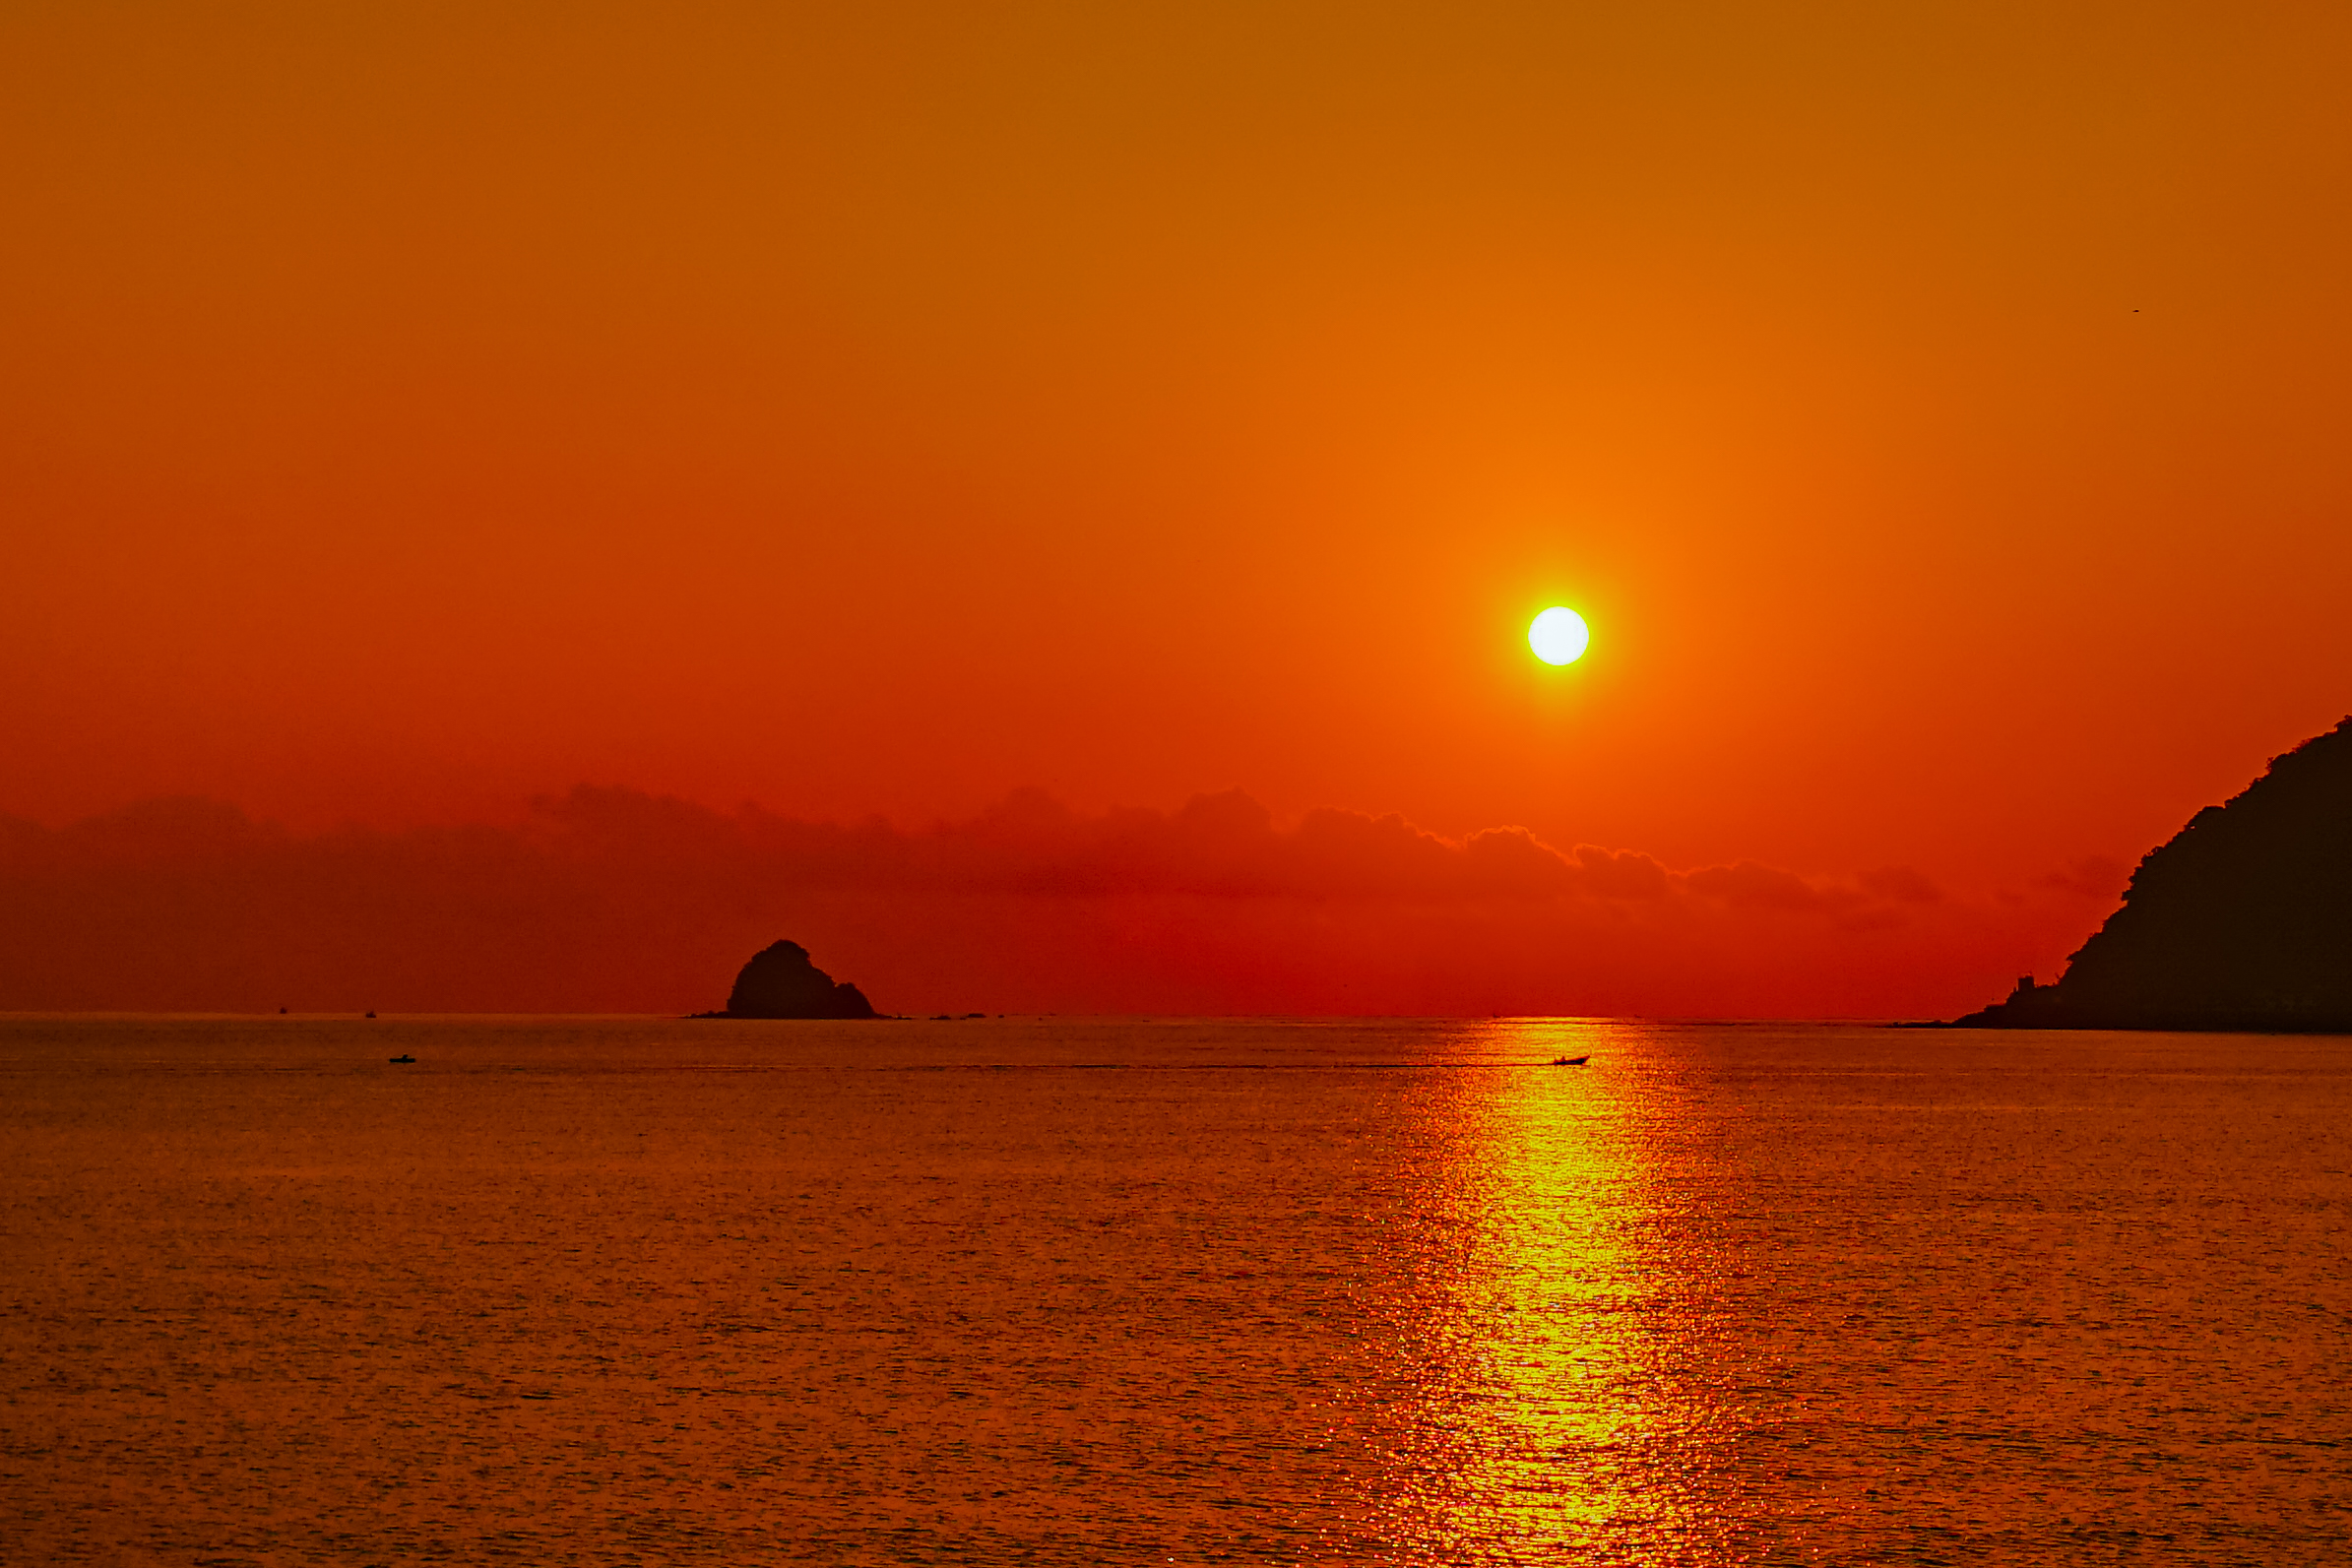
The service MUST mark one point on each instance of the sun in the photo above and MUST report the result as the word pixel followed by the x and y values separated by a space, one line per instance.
pixel 1559 636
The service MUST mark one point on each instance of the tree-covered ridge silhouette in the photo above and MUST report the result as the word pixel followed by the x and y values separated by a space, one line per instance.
pixel 2242 921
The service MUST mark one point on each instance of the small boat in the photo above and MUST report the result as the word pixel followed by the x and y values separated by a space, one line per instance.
pixel 404 1057
pixel 1568 1061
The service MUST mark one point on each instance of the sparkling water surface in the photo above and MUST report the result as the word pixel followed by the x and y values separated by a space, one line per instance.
pixel 629 1290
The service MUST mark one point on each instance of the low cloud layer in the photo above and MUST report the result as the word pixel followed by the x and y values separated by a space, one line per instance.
pixel 610 898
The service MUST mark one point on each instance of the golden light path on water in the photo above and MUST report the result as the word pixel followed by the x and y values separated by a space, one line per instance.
pixel 1566 1400
pixel 578 1291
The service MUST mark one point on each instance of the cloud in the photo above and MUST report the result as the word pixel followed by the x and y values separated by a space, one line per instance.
pixel 1749 886
pixel 1900 884
pixel 2099 878
pixel 1217 845
pixel 610 898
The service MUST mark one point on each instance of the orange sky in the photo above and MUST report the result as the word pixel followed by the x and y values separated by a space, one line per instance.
pixel 1939 413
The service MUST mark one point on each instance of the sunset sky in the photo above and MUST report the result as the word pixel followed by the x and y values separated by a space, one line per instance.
pixel 1937 411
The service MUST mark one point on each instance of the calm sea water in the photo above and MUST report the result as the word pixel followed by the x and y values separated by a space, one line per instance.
pixel 601 1291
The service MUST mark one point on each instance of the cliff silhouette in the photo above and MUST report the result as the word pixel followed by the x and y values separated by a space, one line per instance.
pixel 2242 921
pixel 780 981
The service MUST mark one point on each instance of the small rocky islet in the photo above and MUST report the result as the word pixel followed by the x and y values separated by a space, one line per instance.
pixel 781 981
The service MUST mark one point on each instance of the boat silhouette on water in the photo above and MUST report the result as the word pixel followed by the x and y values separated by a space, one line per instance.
pixel 403 1057
pixel 1568 1061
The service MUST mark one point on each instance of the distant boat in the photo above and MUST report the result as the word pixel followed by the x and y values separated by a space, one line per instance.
pixel 404 1057
pixel 1568 1061
pixel 371 1012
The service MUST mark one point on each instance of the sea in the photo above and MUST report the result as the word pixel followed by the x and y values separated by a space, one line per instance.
pixel 631 1291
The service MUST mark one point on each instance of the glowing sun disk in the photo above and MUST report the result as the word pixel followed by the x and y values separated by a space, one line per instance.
pixel 1559 636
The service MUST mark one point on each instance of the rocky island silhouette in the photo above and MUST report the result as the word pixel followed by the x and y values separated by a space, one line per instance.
pixel 2242 922
pixel 780 981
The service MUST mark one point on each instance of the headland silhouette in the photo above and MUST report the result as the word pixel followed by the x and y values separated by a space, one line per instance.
pixel 2242 922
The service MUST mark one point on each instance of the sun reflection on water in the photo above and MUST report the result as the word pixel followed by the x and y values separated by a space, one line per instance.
pixel 1554 1352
